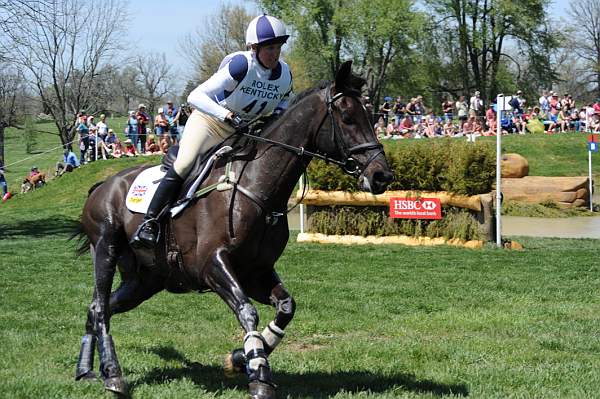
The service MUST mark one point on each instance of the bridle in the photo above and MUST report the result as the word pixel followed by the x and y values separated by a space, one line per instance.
pixel 348 163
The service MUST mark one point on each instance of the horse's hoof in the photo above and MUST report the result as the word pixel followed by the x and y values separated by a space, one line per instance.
pixel 234 363
pixel 86 376
pixel 116 385
pixel 260 390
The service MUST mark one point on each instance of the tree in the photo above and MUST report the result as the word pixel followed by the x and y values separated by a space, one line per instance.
pixel 222 34
pixel 474 37
pixel 154 78
pixel 12 94
pixel 62 47
pixel 585 40
pixel 326 32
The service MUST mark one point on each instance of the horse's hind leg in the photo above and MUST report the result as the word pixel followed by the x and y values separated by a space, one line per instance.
pixel 269 289
pixel 222 280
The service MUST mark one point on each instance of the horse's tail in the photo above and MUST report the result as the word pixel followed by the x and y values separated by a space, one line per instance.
pixel 82 238
pixel 79 233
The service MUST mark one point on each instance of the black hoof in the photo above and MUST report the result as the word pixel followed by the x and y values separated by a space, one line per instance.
pixel 116 385
pixel 85 376
pixel 260 390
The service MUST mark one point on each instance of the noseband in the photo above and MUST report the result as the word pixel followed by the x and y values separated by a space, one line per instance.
pixel 348 164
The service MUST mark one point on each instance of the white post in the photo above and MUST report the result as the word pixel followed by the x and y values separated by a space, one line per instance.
pixel 96 145
pixel 590 178
pixel 302 206
pixel 499 109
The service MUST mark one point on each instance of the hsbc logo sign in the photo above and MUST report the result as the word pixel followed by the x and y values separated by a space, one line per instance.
pixel 415 208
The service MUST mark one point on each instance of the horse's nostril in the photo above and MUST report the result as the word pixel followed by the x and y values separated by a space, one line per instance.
pixel 383 176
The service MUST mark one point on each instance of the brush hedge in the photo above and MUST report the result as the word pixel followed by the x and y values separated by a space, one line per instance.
pixel 427 165
pixel 365 221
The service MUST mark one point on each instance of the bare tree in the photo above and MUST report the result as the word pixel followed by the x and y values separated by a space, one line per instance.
pixel 585 40
pixel 155 78
pixel 222 34
pixel 12 94
pixel 127 86
pixel 62 47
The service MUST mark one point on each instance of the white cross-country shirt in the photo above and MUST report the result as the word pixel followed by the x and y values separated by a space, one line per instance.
pixel 244 86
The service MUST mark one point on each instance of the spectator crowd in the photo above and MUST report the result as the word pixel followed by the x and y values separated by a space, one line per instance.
pixel 551 114
pixel 98 140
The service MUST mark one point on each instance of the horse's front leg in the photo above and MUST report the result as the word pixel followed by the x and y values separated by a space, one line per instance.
pixel 273 292
pixel 105 262
pixel 221 278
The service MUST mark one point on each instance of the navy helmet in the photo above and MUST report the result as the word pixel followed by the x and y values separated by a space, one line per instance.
pixel 264 30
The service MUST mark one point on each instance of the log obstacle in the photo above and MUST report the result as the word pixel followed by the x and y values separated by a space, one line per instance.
pixel 481 206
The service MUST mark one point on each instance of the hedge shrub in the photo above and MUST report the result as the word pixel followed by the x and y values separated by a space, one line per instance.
pixel 364 221
pixel 425 165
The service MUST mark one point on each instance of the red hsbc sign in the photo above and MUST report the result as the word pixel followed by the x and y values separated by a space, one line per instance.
pixel 415 208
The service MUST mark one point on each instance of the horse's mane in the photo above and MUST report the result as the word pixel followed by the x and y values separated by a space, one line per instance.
pixel 303 94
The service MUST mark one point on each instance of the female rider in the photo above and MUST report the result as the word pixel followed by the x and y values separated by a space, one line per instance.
pixel 248 84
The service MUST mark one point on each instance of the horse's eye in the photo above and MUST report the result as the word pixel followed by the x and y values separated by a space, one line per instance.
pixel 347 119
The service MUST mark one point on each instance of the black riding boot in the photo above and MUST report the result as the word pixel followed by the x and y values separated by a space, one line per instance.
pixel 148 233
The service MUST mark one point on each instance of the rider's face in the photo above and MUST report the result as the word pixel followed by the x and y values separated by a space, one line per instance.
pixel 269 55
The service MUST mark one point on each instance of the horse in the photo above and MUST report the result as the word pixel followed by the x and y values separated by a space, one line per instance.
pixel 229 241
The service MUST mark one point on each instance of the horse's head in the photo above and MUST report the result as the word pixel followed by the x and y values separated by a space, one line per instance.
pixel 351 137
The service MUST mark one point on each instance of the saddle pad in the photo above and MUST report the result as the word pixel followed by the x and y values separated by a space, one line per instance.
pixel 143 188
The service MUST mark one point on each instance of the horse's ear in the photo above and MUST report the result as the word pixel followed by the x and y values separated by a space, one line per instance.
pixel 342 77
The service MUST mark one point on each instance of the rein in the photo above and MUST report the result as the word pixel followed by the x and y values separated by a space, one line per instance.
pixel 350 165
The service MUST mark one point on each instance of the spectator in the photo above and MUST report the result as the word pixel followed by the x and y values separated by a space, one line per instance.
pixel 102 128
pixel 69 163
pixel 419 109
pixel 84 139
pixel 130 150
pixel 142 119
pixel 151 146
pixel 407 127
pixel 553 119
pixel 132 130
pixel 449 129
pixel 399 110
pixel 170 107
pixel 563 118
pixel 380 128
pixel 183 113
pixel 117 149
pixel 90 122
pixel 165 143
pixel 544 103
pixel 161 123
pixel 575 121
pixel 369 107
pixel 491 121
pixel 172 126
pixel 462 111
pixel 385 109
pixel 476 104
pixel 5 193
pixel 93 134
pixel 448 108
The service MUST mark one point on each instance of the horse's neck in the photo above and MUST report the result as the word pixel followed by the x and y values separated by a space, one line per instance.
pixel 276 170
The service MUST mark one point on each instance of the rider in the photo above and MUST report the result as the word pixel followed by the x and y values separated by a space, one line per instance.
pixel 248 84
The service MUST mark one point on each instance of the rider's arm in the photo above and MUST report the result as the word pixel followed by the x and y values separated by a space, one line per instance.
pixel 206 97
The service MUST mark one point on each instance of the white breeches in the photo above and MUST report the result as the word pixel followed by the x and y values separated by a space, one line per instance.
pixel 201 133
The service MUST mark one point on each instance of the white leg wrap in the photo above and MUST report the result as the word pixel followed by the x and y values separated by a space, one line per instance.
pixel 254 349
pixel 272 335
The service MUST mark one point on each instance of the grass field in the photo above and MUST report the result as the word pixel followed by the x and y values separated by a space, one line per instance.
pixel 372 321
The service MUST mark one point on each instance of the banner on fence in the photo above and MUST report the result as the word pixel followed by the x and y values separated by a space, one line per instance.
pixel 415 208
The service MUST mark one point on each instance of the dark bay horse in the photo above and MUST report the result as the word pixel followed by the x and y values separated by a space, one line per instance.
pixel 228 241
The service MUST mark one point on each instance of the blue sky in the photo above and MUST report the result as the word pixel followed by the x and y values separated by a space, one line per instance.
pixel 159 26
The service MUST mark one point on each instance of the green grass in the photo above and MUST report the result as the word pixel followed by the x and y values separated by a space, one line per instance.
pixel 372 321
